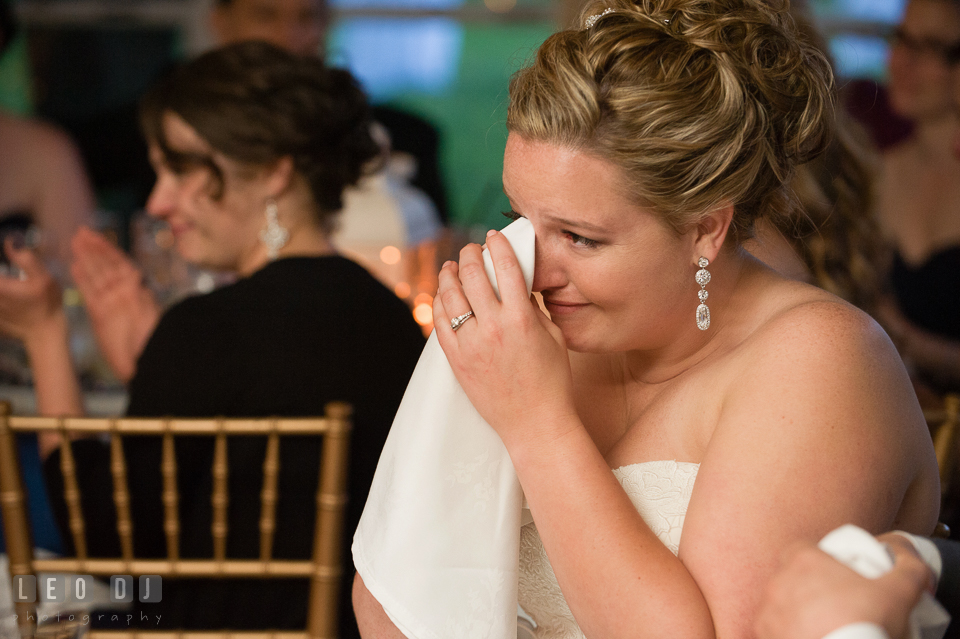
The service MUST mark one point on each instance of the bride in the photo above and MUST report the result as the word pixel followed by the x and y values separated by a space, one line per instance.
pixel 749 411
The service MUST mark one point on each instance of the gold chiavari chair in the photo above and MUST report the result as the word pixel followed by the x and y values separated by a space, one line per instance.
pixel 323 569
pixel 944 425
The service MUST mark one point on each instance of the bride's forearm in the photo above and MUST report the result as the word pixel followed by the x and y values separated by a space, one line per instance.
pixel 372 621
pixel 616 575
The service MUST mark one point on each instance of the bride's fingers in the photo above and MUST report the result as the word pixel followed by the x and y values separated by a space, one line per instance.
pixel 455 301
pixel 513 288
pixel 442 318
pixel 475 283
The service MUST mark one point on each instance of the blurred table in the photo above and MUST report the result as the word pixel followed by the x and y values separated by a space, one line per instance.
pixel 100 403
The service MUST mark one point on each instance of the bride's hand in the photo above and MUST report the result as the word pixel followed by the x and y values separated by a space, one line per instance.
pixel 510 359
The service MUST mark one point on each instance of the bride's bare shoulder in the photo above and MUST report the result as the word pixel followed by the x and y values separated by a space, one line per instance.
pixel 801 315
pixel 827 357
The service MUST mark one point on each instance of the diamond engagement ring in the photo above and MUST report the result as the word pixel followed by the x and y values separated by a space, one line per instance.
pixel 458 321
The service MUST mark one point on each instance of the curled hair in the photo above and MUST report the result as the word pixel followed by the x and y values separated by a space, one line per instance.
pixel 835 233
pixel 255 104
pixel 699 102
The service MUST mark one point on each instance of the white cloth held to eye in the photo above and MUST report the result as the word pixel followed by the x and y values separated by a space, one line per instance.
pixel 438 541
pixel 859 631
pixel 860 551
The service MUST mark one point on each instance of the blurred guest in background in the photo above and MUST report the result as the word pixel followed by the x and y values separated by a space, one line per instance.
pixel 253 149
pixel 300 26
pixel 832 239
pixel 375 216
pixel 295 25
pixel 387 225
pixel 919 195
pixel 42 179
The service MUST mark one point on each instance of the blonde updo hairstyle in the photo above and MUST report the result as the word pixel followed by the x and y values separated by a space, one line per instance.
pixel 701 103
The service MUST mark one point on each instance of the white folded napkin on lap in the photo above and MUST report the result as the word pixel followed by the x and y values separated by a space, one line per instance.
pixel 438 542
pixel 861 552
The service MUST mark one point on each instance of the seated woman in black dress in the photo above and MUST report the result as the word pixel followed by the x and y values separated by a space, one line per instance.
pixel 253 148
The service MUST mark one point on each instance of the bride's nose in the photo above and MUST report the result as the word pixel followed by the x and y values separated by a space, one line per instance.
pixel 547 273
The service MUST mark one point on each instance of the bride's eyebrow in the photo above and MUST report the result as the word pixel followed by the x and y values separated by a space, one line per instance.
pixel 587 226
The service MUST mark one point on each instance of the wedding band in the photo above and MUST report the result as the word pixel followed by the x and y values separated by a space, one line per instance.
pixel 458 321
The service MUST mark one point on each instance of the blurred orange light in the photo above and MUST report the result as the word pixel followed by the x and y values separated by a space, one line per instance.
pixel 390 255
pixel 402 290
pixel 423 298
pixel 423 313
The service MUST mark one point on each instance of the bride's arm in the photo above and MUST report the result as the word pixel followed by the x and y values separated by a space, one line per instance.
pixel 819 430
pixel 372 621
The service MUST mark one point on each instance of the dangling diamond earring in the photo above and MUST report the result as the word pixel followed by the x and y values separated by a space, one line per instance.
pixel 273 236
pixel 703 278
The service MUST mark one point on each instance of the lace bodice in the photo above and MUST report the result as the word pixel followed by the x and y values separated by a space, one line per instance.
pixel 660 491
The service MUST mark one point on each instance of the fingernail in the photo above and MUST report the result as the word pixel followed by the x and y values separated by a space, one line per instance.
pixel 447 263
pixel 491 232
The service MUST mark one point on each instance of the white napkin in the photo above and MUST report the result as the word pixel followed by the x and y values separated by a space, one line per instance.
pixel 860 551
pixel 438 542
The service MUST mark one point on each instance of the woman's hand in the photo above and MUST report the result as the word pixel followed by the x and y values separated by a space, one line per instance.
pixel 813 594
pixel 122 311
pixel 31 310
pixel 31 305
pixel 509 357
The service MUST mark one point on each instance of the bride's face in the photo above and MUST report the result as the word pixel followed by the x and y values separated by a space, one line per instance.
pixel 613 275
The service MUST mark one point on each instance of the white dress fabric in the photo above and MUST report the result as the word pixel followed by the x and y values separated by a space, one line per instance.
pixel 660 491
pixel 438 541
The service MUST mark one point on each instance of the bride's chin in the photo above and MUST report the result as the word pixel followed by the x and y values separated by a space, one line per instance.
pixel 580 343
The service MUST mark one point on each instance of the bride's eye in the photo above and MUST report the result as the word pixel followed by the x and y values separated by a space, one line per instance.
pixel 579 240
pixel 511 215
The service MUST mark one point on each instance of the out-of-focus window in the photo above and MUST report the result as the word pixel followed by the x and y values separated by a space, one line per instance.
pixel 856 31
pixel 450 62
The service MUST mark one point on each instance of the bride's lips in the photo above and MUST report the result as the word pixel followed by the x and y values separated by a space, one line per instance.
pixel 560 307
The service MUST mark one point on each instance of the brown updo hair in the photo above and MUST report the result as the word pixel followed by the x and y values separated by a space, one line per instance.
pixel 256 103
pixel 699 102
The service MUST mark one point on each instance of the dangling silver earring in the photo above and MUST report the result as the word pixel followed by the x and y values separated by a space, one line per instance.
pixel 703 278
pixel 273 236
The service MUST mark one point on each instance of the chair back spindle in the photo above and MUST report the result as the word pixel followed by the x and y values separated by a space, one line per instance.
pixel 171 516
pixel 71 492
pixel 268 496
pixel 944 425
pixel 331 499
pixel 121 493
pixel 220 496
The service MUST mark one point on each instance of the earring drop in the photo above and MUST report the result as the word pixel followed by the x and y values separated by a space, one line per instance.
pixel 703 278
pixel 274 236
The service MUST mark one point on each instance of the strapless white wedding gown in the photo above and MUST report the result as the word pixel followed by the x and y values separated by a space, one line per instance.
pixel 660 491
